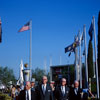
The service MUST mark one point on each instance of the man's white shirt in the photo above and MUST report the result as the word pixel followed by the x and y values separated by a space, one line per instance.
pixel 44 87
pixel 76 90
pixel 29 93
pixel 63 89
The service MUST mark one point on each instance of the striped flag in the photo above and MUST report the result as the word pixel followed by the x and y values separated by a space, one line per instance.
pixel 25 27
pixel 0 32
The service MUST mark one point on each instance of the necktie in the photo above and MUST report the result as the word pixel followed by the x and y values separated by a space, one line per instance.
pixel 43 89
pixel 63 91
pixel 76 91
pixel 27 95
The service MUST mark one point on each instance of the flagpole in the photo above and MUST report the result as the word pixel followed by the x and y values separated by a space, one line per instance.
pixel 96 58
pixel 76 68
pixel 30 57
pixel 80 60
pixel 86 67
pixel 50 60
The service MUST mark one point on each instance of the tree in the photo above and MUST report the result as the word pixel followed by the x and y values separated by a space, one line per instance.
pixel 72 74
pixel 38 73
pixel 99 47
pixel 90 60
pixel 6 75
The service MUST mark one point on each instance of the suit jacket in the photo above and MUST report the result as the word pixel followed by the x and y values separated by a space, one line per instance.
pixel 48 93
pixel 60 96
pixel 22 95
pixel 74 96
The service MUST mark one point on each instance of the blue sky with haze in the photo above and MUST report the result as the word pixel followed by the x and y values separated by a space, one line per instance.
pixel 54 25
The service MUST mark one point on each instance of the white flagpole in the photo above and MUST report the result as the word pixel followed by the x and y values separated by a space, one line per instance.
pixel 96 58
pixel 76 64
pixel 50 60
pixel 60 60
pixel 21 73
pixel 86 67
pixel 80 60
pixel 30 57
pixel 45 65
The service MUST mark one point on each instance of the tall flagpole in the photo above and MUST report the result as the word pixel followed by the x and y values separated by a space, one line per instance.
pixel 80 60
pixel 50 60
pixel 96 58
pixel 30 56
pixel 86 67
pixel 60 60
pixel 76 64
pixel 45 65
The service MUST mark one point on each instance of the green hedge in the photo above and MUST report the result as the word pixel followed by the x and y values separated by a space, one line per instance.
pixel 4 97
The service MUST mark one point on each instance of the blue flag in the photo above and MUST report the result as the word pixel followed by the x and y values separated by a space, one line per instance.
pixel 69 54
pixel 71 47
pixel 91 30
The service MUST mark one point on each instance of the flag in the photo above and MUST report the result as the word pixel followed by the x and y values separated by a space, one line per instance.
pixel 0 32
pixel 82 38
pixel 69 54
pixel 25 27
pixel 71 47
pixel 77 40
pixel 84 53
pixel 91 29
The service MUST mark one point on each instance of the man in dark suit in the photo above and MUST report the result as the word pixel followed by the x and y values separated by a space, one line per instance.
pixel 44 90
pixel 27 93
pixel 75 93
pixel 33 84
pixel 62 91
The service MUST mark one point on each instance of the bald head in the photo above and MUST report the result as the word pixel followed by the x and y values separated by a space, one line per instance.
pixel 28 85
pixel 63 81
pixel 44 79
pixel 76 84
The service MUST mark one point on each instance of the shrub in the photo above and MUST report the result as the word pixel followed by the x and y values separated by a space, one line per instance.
pixel 5 97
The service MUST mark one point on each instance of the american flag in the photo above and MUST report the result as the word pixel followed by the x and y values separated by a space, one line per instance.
pixel 25 27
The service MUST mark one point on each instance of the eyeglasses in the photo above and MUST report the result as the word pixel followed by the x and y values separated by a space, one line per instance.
pixel 63 81
pixel 44 79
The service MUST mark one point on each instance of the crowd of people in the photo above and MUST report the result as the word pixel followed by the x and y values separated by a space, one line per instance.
pixel 45 91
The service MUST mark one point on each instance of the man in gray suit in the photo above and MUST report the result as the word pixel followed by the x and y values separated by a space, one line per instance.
pixel 44 90
pixel 62 91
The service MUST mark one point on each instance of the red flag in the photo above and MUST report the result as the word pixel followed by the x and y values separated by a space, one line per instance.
pixel 0 32
pixel 25 27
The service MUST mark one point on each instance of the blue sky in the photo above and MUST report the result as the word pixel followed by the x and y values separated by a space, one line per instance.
pixel 54 25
